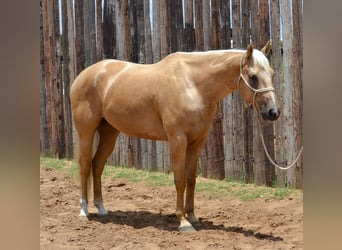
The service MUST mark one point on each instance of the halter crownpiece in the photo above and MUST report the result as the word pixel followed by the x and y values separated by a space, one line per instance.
pixel 249 86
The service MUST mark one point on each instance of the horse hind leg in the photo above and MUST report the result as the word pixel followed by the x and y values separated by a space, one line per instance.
pixel 107 138
pixel 85 144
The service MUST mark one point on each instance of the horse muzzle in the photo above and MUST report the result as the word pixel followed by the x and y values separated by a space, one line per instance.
pixel 271 114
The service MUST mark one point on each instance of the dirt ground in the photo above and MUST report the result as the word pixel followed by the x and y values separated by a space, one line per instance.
pixel 142 217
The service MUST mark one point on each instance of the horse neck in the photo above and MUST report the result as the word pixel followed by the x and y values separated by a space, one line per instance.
pixel 219 78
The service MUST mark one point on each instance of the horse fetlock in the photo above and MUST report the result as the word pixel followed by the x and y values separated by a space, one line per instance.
pixel 100 208
pixel 84 208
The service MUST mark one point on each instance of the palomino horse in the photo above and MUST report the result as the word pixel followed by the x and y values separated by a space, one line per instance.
pixel 174 100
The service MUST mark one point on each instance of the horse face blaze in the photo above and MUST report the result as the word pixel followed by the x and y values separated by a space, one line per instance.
pixel 269 108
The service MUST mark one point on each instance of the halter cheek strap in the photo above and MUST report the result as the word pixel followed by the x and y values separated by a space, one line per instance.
pixel 256 91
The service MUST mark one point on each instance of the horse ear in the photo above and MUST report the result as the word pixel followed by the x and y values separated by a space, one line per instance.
pixel 249 52
pixel 266 49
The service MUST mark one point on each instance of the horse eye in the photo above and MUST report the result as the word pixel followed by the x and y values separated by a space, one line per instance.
pixel 253 79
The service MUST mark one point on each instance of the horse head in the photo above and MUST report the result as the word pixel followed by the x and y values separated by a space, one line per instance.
pixel 255 82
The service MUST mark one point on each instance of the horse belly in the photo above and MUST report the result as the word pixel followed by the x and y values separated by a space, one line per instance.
pixel 141 123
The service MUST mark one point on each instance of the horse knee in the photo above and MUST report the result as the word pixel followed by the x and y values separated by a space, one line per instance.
pixel 180 185
pixel 84 169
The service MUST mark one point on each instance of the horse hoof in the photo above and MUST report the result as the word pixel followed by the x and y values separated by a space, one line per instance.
pixel 83 218
pixel 196 224
pixel 186 229
pixel 84 212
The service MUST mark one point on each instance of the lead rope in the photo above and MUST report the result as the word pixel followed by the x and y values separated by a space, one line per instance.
pixel 268 155
pixel 259 123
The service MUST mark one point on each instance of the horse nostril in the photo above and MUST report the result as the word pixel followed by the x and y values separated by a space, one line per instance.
pixel 273 113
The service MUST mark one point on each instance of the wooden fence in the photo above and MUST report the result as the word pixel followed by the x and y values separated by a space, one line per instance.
pixel 77 33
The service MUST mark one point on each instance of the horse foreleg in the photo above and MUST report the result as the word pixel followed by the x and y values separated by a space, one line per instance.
pixel 178 145
pixel 190 193
pixel 193 152
pixel 106 145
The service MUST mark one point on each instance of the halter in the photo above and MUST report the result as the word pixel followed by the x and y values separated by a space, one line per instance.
pixel 256 91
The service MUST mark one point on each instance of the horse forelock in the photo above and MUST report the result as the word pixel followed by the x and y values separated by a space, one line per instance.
pixel 260 59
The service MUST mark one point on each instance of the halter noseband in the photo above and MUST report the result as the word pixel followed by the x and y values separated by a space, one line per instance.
pixel 249 86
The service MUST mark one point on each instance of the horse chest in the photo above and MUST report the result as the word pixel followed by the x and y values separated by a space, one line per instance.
pixel 196 122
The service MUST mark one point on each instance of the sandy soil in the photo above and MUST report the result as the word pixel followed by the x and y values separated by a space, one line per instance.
pixel 142 217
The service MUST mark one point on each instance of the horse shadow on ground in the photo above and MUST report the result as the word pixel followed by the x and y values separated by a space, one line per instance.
pixel 169 222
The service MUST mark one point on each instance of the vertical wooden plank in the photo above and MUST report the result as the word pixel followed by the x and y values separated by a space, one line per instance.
pixel 276 62
pixel 133 56
pixel 89 33
pixel 140 32
pixel 147 144
pixel 138 55
pixel 79 42
pixel 144 154
pixel 156 146
pixel 238 130
pixel 109 44
pixel 245 31
pixel 50 74
pixel 212 160
pixel 225 27
pixel 215 25
pixel 264 170
pixel 206 24
pixel 44 146
pixel 109 29
pixel 228 136
pixel 269 128
pixel 148 36
pixel 164 29
pixel 72 63
pixel 217 166
pixel 199 45
pixel 288 87
pixel 165 49
pixel 292 48
pixel 254 21
pixel 134 32
pixel 127 28
pixel 179 25
pixel 120 31
pixel 156 31
pixel 198 26
pixel 99 31
pixel 130 22
pixel 120 51
pixel 59 83
pixel 247 114
pixel 189 26
pixel 228 100
pixel 298 88
pixel 173 26
pixel 236 19
pixel 204 158
pixel 66 80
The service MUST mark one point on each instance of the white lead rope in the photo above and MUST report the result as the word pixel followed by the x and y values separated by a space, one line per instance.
pixel 259 124
pixel 268 155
